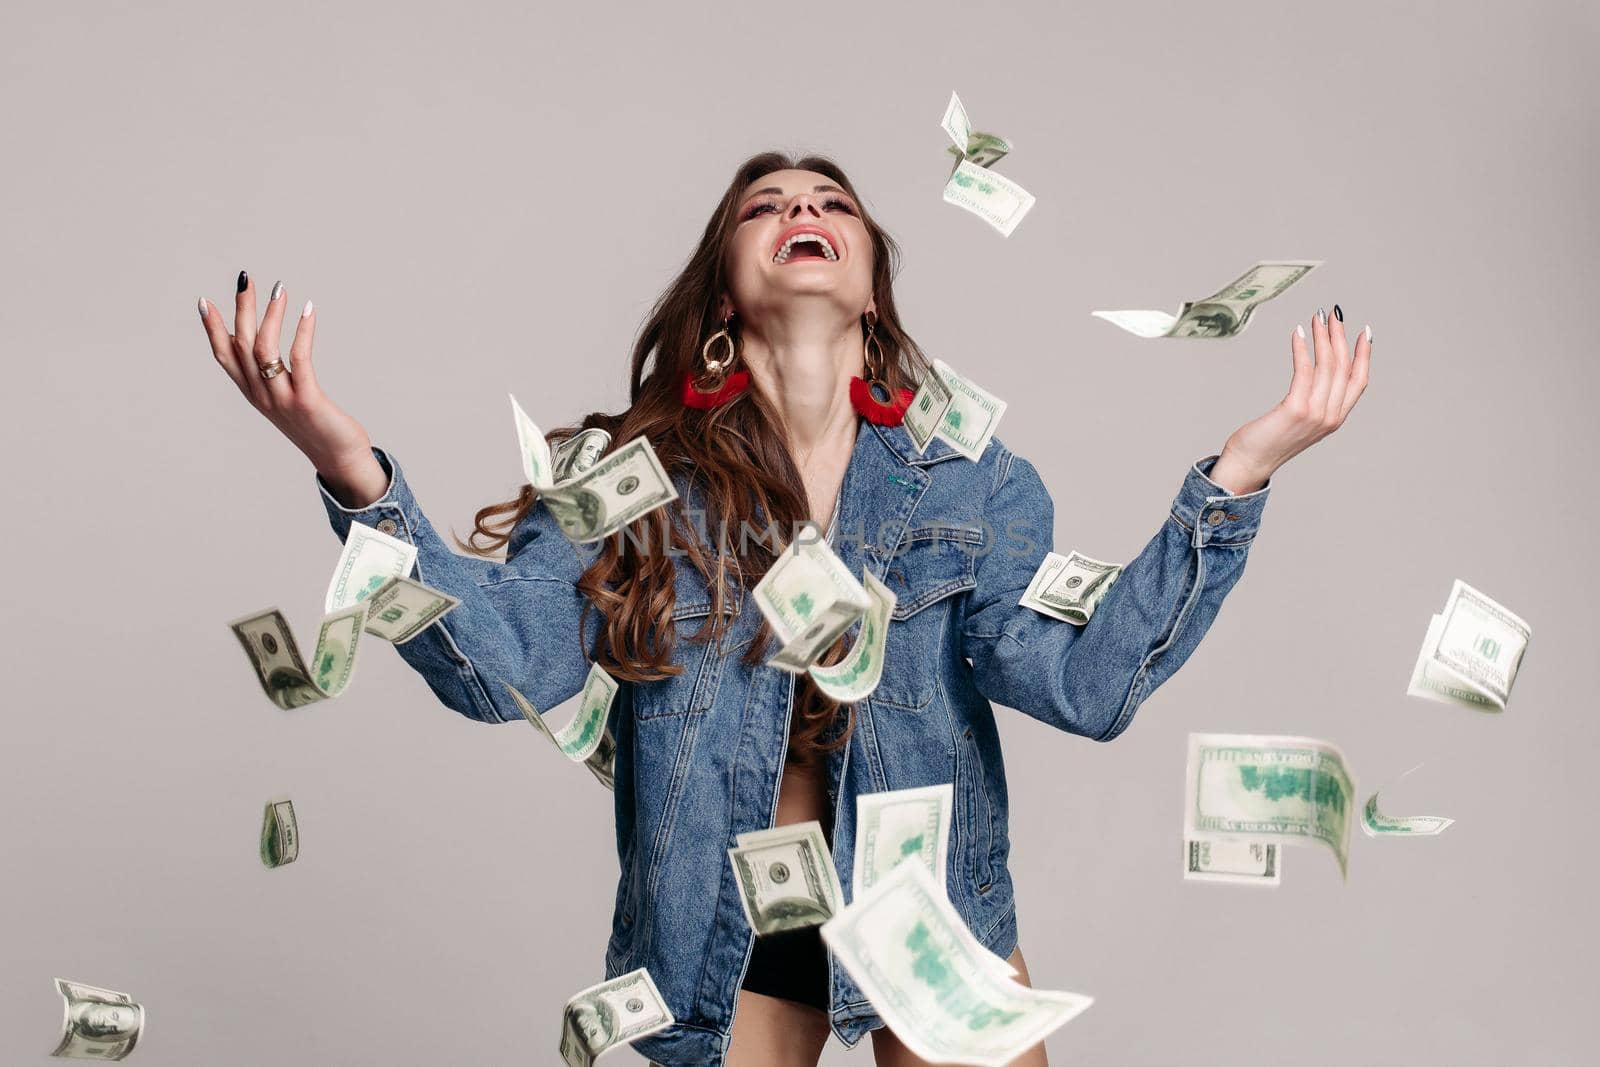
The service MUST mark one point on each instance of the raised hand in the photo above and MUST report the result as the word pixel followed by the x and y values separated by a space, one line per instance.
pixel 286 392
pixel 1327 383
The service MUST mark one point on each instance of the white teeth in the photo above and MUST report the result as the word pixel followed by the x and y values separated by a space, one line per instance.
pixel 784 250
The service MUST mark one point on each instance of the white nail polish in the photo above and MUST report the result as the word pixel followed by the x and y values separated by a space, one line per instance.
pixel 305 310
pixel 202 307
pixel 1369 335
pixel 1300 332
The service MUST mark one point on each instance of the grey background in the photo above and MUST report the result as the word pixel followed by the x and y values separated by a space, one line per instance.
pixel 483 198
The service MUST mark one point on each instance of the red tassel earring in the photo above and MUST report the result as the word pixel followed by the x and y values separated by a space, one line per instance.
pixel 873 399
pixel 718 386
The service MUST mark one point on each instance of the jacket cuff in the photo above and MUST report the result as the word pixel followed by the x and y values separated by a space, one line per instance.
pixel 1214 516
pixel 387 514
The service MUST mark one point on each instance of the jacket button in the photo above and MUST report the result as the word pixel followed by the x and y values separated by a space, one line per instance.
pixel 388 526
pixel 1216 518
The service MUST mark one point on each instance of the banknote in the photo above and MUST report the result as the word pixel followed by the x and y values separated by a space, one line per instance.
pixel 926 413
pixel 857 675
pixel 603 494
pixel 911 954
pixel 280 834
pixel 1472 652
pixel 991 196
pixel 956 124
pixel 972 415
pixel 401 608
pixel 786 877
pixel 276 658
pixel 100 1024
pixel 901 825
pixel 578 453
pixel 1069 587
pixel 984 149
pixel 1296 790
pixel 1374 823
pixel 1241 862
pixel 612 1013
pixel 370 557
pixel 1222 314
pixel 601 758
pixel 808 598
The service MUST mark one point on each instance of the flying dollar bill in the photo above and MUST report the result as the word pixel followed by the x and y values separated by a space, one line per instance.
pixel 857 675
pixel 901 826
pixel 808 598
pixel 370 557
pixel 273 653
pixel 612 1013
pixel 100 1024
pixel 1471 653
pixel 1069 587
pixel 1232 862
pixel 991 196
pixel 597 500
pixel 983 149
pixel 1297 790
pixel 786 877
pixel 401 608
pixel 280 834
pixel 1222 314
pixel 587 738
pixel 949 406
pixel 1374 823
pixel 927 976
pixel 579 453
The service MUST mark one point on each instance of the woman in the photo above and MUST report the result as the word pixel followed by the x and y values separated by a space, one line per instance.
pixel 771 379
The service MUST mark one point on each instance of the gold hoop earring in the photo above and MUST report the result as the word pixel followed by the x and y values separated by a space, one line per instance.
pixel 716 370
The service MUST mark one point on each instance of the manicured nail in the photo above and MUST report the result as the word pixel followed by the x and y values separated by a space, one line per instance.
pixel 305 310
pixel 1300 332
pixel 244 280
pixel 1322 316
pixel 1369 336
pixel 202 307
pixel 1338 313
pixel 277 291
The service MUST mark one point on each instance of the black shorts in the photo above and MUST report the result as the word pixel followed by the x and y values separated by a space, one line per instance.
pixel 791 965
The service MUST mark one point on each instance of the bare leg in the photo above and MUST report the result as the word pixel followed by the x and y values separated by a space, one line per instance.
pixel 772 1032
pixel 889 1051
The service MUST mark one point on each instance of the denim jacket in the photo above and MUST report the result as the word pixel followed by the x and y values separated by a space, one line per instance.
pixel 699 755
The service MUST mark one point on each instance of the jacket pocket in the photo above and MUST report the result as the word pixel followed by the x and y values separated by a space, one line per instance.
pixel 930 565
pixel 980 814
pixel 694 688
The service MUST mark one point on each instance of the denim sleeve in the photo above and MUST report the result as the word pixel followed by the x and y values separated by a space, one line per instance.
pixel 1090 679
pixel 517 622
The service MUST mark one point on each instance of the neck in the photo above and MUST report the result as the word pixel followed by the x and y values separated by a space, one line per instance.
pixel 805 371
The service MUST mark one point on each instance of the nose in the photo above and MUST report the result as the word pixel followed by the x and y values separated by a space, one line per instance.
pixel 802 204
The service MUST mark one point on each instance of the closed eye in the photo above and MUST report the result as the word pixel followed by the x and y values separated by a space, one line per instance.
pixel 831 203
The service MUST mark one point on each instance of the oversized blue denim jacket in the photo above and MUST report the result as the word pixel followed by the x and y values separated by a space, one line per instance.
pixel 699 755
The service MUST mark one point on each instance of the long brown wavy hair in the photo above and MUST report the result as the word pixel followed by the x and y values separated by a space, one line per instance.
pixel 737 455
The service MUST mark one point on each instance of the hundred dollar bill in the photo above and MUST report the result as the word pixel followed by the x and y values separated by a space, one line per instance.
pixel 857 675
pixel 926 412
pixel 599 749
pixel 280 835
pixel 991 196
pixel 1254 787
pixel 808 598
pixel 1246 862
pixel 579 452
pixel 604 497
pixel 1222 314
pixel 786 877
pixel 612 1013
pixel 401 608
pixel 1471 653
pixel 370 558
pixel 1069 587
pixel 1374 823
pixel 100 1024
pixel 902 825
pixel 926 975
pixel 984 149
pixel 276 658
pixel 972 415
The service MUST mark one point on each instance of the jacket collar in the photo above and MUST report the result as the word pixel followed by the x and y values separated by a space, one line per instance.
pixel 898 441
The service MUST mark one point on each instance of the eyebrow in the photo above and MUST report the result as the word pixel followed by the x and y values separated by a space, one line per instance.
pixel 814 189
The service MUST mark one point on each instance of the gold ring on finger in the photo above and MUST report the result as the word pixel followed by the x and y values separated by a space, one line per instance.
pixel 272 370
